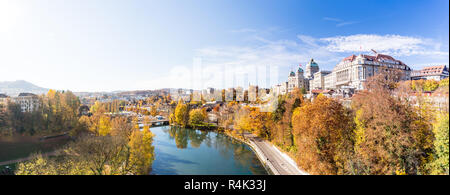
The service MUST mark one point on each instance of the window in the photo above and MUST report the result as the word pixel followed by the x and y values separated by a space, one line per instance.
pixel 369 71
pixel 360 73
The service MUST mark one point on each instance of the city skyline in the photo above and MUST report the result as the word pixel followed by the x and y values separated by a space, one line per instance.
pixel 150 45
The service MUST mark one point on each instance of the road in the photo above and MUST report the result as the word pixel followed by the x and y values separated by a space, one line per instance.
pixel 272 157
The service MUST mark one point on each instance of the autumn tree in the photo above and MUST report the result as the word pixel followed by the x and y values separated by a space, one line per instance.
pixel 196 117
pixel 252 120
pixel 121 126
pixel 97 155
pixel 323 136
pixel 391 137
pixel 444 83
pixel 440 163
pixel 141 151
pixel 281 132
pixel 430 85
pixel 153 110
pixel 182 114
pixel 104 126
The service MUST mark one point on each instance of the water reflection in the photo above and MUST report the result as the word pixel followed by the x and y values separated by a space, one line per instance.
pixel 187 151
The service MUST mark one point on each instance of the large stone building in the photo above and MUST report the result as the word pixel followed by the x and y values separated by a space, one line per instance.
pixel 329 81
pixel 354 70
pixel 433 72
pixel 318 81
pixel 28 102
pixel 311 68
pixel 296 80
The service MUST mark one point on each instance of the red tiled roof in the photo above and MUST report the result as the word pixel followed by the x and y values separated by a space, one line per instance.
pixel 431 70
pixel 321 91
pixel 349 58
pixel 377 57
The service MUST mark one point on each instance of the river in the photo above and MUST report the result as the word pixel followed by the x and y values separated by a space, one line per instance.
pixel 182 151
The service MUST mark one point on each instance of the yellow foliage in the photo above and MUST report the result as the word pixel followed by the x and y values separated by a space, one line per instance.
pixel 104 127
pixel 400 172
pixel 360 129
pixel 141 150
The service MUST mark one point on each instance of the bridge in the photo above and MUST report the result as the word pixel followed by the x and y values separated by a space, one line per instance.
pixel 160 122
pixel 155 123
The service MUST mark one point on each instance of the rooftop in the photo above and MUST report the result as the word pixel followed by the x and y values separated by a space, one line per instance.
pixel 26 94
pixel 431 70
pixel 312 63
pixel 380 58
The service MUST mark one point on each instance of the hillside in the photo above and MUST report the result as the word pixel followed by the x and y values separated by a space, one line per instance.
pixel 13 88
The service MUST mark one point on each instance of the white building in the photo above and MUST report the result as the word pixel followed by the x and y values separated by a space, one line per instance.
pixel 296 80
pixel 280 89
pixel 329 81
pixel 318 81
pixel 353 71
pixel 28 102
pixel 431 73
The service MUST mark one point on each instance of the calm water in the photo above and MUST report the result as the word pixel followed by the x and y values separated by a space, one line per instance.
pixel 181 151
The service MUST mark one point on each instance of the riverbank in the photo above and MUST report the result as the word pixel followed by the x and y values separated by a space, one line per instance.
pixel 275 161
pixel 18 147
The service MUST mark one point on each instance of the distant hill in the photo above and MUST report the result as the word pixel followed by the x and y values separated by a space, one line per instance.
pixel 13 88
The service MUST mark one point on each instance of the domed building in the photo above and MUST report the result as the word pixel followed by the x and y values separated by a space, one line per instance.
pixel 296 80
pixel 311 68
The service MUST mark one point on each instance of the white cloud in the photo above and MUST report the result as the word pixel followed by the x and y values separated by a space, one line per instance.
pixel 332 19
pixel 339 22
pixel 345 23
pixel 396 45
pixel 223 67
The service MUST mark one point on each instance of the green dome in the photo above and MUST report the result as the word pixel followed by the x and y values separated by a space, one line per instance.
pixel 292 73
pixel 300 69
pixel 312 63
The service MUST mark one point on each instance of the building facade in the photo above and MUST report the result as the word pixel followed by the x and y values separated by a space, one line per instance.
pixel 329 81
pixel 318 81
pixel 280 89
pixel 431 73
pixel 296 80
pixel 28 102
pixel 311 68
pixel 353 71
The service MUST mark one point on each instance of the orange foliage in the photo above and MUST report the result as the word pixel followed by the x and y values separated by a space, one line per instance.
pixel 322 132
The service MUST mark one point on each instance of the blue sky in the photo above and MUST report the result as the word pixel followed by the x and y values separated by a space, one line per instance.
pixel 105 45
